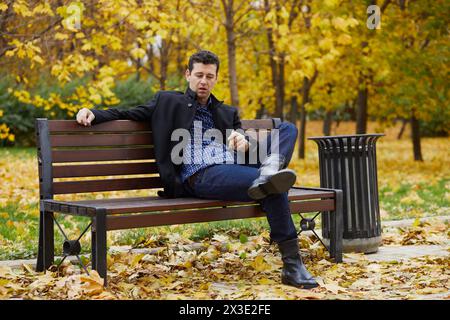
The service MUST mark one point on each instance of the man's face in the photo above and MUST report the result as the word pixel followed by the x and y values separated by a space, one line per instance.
pixel 202 79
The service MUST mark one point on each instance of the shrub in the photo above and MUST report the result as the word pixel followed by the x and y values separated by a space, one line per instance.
pixel 17 119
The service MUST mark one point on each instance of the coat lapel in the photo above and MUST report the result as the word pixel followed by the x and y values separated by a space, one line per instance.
pixel 191 98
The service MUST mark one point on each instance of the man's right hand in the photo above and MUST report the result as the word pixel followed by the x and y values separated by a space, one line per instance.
pixel 85 117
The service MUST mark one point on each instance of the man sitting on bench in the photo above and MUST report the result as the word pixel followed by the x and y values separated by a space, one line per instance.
pixel 209 168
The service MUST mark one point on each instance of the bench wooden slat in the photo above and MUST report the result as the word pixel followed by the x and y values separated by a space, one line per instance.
pixel 296 207
pixel 79 211
pixel 114 126
pixel 139 204
pixel 59 156
pixel 132 126
pixel 67 187
pixel 257 124
pixel 101 140
pixel 110 169
pixel 206 215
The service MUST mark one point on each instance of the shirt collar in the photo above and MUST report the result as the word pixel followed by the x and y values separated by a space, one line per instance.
pixel 208 104
pixel 212 100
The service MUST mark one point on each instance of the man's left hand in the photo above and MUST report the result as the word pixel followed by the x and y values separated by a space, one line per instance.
pixel 238 142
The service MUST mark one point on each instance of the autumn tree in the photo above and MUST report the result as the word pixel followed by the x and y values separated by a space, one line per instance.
pixel 315 56
pixel 415 87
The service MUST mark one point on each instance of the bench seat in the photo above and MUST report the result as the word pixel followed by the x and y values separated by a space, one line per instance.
pixel 121 212
pixel 155 203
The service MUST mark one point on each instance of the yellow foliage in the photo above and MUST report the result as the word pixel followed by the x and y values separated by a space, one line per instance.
pixel 43 8
pixel 344 39
pixel 137 53
pixel 5 132
pixel 21 8
pixel 117 39
pixel 61 36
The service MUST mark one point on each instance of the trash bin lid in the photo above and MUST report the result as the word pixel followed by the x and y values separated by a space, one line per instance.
pixel 347 136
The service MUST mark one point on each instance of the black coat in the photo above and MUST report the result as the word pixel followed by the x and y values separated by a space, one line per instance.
pixel 167 111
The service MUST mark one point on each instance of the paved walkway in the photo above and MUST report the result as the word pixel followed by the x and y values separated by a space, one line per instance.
pixel 398 253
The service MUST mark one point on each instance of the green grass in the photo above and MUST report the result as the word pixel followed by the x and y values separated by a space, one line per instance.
pixel 195 231
pixel 19 152
pixel 20 240
pixel 409 201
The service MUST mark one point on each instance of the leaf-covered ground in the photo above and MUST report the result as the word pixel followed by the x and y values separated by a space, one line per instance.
pixel 228 268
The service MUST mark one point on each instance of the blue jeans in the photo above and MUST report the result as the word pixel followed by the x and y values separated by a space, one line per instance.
pixel 230 182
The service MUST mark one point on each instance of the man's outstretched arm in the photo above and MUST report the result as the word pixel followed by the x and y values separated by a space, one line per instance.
pixel 87 117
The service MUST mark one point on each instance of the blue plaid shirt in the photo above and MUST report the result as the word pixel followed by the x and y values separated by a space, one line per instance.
pixel 210 152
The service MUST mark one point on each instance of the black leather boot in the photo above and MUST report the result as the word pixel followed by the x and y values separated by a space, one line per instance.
pixel 273 178
pixel 294 272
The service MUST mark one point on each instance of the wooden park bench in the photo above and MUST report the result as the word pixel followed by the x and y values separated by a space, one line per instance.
pixel 61 143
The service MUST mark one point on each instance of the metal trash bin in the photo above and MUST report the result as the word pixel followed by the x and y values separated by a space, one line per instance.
pixel 348 162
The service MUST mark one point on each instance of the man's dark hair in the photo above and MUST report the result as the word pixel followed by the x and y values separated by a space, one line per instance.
pixel 205 57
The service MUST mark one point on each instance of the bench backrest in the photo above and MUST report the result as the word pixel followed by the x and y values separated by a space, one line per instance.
pixel 67 150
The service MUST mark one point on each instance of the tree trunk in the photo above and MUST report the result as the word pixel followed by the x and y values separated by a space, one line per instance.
pixel 232 69
pixel 181 64
pixel 301 132
pixel 338 122
pixel 275 78
pixel 294 108
pixel 279 107
pixel 138 67
pixel 306 89
pixel 402 129
pixel 361 110
pixel 164 63
pixel 275 68
pixel 327 122
pixel 138 71
pixel 261 111
pixel 150 63
pixel 415 135
pixel 231 48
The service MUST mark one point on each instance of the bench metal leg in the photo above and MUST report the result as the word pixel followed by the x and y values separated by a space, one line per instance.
pixel 40 254
pixel 46 250
pixel 336 228
pixel 100 244
pixel 93 248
